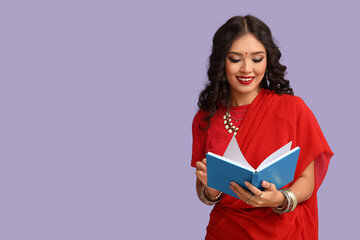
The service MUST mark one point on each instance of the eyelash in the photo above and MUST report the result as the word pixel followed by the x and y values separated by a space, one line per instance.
pixel 254 60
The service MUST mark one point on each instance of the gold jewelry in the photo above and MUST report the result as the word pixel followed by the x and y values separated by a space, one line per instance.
pixel 250 199
pixel 229 126
pixel 230 110
pixel 205 200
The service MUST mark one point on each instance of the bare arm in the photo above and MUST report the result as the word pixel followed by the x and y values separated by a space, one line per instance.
pixel 303 187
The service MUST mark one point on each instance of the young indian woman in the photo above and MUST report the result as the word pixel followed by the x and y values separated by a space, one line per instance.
pixel 248 96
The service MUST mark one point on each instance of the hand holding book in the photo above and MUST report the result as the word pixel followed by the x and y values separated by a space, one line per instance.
pixel 278 168
pixel 270 197
pixel 201 173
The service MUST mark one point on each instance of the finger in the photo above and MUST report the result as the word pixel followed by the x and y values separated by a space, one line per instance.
pixel 238 194
pixel 244 193
pixel 254 190
pixel 202 177
pixel 200 173
pixel 249 200
pixel 269 186
pixel 200 166
pixel 204 161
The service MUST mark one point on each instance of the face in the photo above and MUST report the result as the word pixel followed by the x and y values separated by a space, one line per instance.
pixel 245 67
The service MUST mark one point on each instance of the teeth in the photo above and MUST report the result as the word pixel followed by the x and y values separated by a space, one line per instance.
pixel 245 79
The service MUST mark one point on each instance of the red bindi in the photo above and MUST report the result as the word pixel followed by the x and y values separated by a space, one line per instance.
pixel 245 52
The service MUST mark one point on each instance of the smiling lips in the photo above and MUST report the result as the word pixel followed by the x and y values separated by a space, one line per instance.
pixel 245 80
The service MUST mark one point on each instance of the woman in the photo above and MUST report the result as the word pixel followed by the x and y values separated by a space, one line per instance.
pixel 248 96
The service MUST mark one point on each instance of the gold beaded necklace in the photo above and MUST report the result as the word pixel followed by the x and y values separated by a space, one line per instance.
pixel 229 126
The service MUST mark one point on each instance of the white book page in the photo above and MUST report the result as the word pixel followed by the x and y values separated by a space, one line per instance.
pixel 234 153
pixel 234 162
pixel 274 156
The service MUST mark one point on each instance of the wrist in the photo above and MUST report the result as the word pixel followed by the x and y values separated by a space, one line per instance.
pixel 281 200
pixel 212 194
pixel 206 200
pixel 290 202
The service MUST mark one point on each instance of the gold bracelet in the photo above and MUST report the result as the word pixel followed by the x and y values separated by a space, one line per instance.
pixel 204 199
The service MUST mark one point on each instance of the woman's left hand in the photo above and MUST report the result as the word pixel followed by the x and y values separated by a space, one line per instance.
pixel 270 197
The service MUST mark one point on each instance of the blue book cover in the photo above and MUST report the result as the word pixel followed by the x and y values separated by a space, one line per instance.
pixel 278 168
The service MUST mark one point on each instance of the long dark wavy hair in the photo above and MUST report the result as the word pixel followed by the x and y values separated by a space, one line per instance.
pixel 217 89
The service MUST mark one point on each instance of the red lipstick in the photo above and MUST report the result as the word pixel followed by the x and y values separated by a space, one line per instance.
pixel 245 80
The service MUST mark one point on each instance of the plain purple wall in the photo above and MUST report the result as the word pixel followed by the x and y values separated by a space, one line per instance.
pixel 97 100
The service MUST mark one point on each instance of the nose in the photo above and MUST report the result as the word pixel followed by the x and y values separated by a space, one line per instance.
pixel 245 67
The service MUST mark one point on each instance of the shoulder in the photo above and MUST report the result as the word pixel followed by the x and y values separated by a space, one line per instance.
pixel 287 100
pixel 200 115
pixel 288 105
pixel 198 120
pixel 297 107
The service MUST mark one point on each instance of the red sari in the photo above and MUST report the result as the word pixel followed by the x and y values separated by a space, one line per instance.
pixel 271 121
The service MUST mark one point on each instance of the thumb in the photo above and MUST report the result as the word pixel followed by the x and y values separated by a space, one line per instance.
pixel 269 186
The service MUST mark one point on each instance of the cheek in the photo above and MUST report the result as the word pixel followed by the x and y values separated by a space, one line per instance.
pixel 260 69
pixel 230 69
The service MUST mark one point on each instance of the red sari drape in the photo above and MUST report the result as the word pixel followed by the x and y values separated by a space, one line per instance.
pixel 271 121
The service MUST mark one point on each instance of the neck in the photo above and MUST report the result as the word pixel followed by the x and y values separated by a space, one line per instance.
pixel 240 99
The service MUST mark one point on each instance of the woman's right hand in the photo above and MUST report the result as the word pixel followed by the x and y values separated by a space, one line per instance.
pixel 201 173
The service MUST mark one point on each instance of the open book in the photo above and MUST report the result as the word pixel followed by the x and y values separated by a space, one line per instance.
pixel 278 168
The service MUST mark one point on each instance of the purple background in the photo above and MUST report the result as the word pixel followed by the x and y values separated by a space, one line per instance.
pixel 97 100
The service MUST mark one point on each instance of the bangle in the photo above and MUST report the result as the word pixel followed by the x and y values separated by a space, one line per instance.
pixel 205 200
pixel 290 202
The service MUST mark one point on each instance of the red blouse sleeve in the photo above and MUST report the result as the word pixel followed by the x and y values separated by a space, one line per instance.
pixel 199 138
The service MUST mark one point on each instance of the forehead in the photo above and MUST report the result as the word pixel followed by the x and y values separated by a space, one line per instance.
pixel 247 43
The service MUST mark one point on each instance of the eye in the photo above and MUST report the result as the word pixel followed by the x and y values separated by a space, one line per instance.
pixel 234 60
pixel 258 60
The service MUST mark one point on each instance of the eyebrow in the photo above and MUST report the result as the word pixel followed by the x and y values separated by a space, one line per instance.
pixel 253 53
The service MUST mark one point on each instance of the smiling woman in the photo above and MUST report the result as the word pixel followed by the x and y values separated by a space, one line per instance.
pixel 247 96
pixel 246 69
pixel 227 48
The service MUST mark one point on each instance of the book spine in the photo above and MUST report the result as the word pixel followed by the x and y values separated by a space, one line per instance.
pixel 255 179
